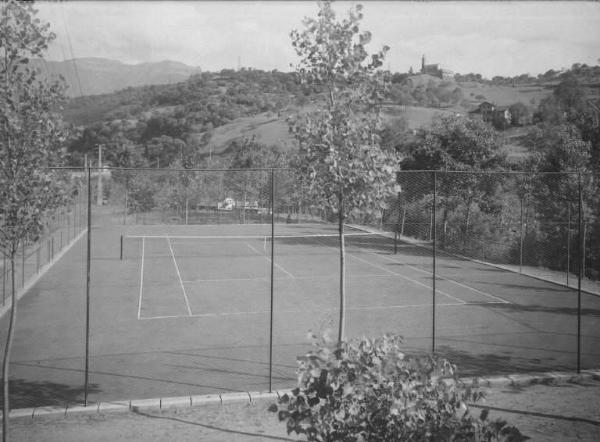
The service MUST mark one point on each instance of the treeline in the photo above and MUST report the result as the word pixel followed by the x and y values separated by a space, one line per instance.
pixel 175 121
pixel 488 213
pixel 581 71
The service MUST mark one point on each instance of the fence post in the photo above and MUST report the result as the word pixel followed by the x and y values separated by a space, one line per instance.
pixel 568 241
pixel 272 280
pixel 521 238
pixel 3 278
pixel 433 234
pixel 579 272
pixel 87 284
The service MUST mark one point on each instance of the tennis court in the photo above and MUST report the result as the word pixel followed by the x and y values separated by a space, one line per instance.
pixel 181 310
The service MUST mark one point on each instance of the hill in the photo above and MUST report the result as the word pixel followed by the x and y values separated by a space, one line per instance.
pixel 102 76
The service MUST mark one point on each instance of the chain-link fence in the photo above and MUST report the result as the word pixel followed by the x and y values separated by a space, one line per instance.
pixel 204 281
pixel 61 227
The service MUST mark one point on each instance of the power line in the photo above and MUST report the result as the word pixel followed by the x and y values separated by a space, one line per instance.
pixel 71 51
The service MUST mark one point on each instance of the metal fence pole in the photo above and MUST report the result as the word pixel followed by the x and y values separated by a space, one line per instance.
pixel 568 241
pixel 579 272
pixel 3 278
pixel 87 285
pixel 433 234
pixel 521 238
pixel 272 280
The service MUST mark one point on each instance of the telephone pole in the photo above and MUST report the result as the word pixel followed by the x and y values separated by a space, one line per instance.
pixel 100 192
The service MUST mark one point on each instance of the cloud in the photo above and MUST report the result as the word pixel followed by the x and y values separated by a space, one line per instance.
pixel 497 38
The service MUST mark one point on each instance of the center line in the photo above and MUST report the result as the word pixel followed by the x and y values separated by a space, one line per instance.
pixel 187 302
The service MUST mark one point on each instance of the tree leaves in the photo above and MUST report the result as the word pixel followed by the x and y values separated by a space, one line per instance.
pixel 375 392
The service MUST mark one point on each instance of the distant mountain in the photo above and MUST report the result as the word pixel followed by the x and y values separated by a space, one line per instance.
pixel 101 75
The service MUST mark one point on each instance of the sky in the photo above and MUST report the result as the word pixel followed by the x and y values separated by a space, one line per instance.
pixel 490 38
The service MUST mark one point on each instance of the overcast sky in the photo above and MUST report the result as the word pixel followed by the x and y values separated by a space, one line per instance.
pixel 491 38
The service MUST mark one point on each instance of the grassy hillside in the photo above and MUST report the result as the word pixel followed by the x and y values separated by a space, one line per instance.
pixel 266 128
pixel 476 93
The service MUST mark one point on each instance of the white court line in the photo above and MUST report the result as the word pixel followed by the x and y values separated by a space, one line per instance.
pixel 187 302
pixel 401 276
pixel 407 278
pixel 265 278
pixel 259 312
pixel 497 298
pixel 269 259
pixel 141 281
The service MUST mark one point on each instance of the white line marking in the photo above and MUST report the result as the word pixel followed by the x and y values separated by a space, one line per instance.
pixel 258 236
pixel 141 281
pixel 378 307
pixel 504 301
pixel 407 278
pixel 187 302
pixel 265 278
pixel 269 259
pixel 400 275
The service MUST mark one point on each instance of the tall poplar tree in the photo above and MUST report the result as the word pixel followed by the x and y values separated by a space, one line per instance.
pixel 31 135
pixel 340 149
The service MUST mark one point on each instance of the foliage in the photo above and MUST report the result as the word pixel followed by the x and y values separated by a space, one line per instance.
pixel 369 390
pixel 455 143
pixel 520 114
pixel 458 144
pixel 31 128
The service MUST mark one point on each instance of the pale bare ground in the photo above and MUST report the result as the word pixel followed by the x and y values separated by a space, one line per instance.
pixel 544 412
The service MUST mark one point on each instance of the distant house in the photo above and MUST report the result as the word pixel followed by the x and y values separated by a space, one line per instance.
pixel 486 109
pixel 500 116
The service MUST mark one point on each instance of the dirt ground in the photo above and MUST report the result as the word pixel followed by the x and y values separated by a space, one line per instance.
pixel 556 412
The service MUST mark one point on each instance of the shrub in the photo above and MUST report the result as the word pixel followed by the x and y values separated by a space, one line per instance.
pixel 369 390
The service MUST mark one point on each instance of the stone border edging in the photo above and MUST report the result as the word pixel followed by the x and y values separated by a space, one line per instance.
pixel 522 379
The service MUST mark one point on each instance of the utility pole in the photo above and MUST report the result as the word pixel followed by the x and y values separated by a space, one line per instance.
pixel 100 192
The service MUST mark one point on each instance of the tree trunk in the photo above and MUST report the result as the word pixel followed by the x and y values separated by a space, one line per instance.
pixel 126 196
pixel 444 221
pixel 342 325
pixel 7 349
pixel 467 220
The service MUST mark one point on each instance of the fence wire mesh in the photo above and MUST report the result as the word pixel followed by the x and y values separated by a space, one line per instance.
pixel 205 281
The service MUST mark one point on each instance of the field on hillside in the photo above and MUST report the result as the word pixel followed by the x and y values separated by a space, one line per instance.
pixel 504 95
pixel 268 128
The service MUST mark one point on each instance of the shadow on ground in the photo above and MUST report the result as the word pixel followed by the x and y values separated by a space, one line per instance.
pixel 25 394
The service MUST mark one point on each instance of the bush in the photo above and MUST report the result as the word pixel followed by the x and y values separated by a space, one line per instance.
pixel 368 390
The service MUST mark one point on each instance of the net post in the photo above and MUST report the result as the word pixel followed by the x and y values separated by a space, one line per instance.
pixel 272 280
